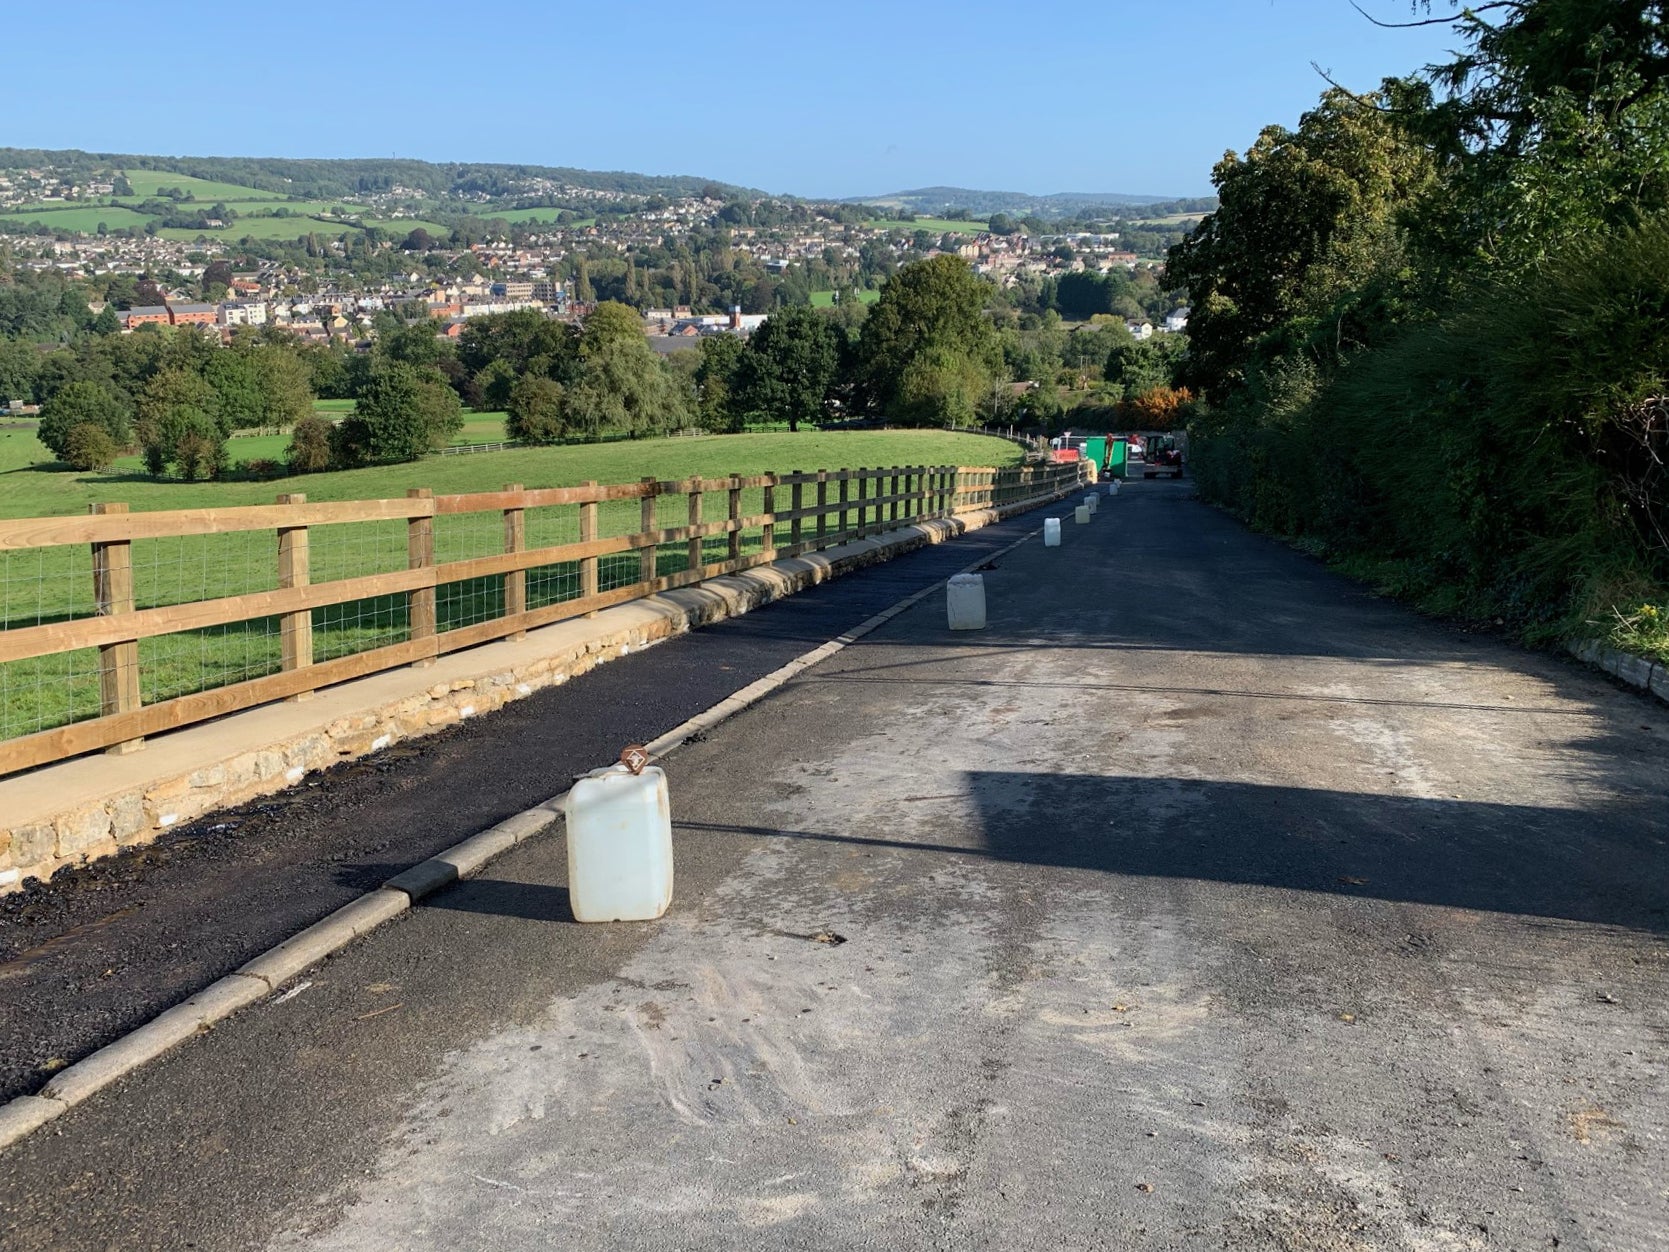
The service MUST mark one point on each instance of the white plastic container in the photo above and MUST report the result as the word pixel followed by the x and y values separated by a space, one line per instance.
pixel 965 601
pixel 1081 515
pixel 1051 532
pixel 619 845
pixel 1092 502
pixel 1112 487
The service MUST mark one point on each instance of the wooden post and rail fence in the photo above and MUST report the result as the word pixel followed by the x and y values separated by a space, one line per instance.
pixel 670 548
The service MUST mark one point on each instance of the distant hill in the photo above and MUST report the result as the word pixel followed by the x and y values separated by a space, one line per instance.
pixel 934 200
pixel 328 179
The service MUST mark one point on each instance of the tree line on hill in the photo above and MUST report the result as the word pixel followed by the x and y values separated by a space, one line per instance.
pixel 1429 321
pixel 326 179
pixel 941 347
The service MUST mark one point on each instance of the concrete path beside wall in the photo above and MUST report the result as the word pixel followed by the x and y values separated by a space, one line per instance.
pixel 1202 900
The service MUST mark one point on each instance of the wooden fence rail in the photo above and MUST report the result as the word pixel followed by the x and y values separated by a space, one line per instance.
pixel 865 502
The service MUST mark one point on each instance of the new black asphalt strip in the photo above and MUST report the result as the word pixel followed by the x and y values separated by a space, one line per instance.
pixel 103 949
pixel 1202 900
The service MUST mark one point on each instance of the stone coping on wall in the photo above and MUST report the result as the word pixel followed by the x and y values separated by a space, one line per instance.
pixel 74 811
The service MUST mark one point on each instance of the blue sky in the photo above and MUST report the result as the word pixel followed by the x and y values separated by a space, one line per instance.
pixel 842 99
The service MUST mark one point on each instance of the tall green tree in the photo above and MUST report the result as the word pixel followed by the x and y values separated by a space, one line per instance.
pixel 715 381
pixel 535 411
pixel 237 390
pixel 82 403
pixel 285 384
pixel 174 388
pixel 403 413
pixel 1304 218
pixel 788 367
pixel 930 308
pixel 1552 123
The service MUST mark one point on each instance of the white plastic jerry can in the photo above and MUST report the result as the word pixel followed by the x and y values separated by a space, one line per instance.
pixel 1051 532
pixel 1081 514
pixel 1112 487
pixel 1092 502
pixel 965 601
pixel 619 845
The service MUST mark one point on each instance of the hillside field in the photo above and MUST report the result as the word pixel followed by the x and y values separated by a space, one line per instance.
pixel 145 183
pixel 81 218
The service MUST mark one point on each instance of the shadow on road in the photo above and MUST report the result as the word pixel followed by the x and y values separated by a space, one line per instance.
pixel 1609 868
pixel 493 897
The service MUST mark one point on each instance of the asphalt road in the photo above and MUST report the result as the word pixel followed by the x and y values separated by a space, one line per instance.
pixel 1201 901
pixel 100 950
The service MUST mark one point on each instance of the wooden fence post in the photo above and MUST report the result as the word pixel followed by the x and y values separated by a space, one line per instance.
pixel 822 503
pixel 768 537
pixel 588 534
pixel 118 662
pixel 420 554
pixel 845 495
pixel 295 570
pixel 733 549
pixel 694 560
pixel 796 501
pixel 892 513
pixel 648 558
pixel 515 582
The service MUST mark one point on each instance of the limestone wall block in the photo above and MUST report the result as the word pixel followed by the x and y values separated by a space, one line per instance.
pixel 34 844
pixel 128 823
pixel 82 830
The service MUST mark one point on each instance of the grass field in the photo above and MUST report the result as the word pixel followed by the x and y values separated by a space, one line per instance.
pixel 84 219
pixel 254 208
pixel 284 228
pixel 146 182
pixel 33 485
pixel 52 584
pixel 938 225
pixel 405 225
pixel 295 227
pixel 527 215
pixel 826 299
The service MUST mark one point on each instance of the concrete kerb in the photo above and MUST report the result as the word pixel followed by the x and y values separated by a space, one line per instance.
pixel 1638 672
pixel 262 976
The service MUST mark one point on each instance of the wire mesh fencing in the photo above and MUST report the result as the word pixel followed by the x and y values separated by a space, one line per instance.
pixel 119 625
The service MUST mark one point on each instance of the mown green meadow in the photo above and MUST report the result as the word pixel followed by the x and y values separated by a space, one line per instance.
pixel 147 183
pixel 826 299
pixel 49 584
pixel 81 218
